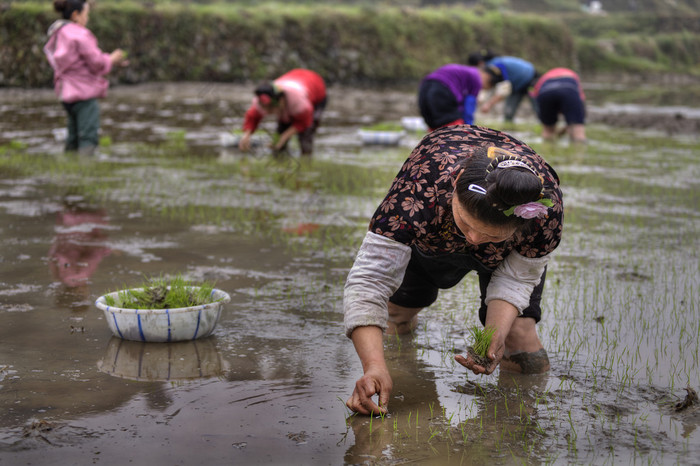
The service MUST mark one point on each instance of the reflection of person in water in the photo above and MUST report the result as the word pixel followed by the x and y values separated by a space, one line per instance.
pixel 79 244
pixel 426 415
pixel 371 439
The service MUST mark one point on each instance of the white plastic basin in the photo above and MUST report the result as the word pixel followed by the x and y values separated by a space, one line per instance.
pixel 382 138
pixel 164 325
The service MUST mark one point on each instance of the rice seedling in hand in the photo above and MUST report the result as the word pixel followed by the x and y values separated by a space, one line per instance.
pixel 481 340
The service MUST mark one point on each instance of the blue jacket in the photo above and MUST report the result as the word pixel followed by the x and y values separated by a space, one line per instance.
pixel 519 72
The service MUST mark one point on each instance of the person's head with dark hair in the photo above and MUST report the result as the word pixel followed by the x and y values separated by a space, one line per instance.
pixel 497 194
pixel 474 59
pixel 67 7
pixel 480 57
pixel 268 94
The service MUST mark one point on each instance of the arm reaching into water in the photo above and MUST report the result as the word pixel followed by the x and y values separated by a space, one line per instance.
pixel 501 91
pixel 375 276
pixel 284 138
pixel 369 344
pixel 244 143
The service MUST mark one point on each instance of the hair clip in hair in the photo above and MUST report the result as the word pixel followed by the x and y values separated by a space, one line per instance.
pixel 492 152
pixel 475 188
pixel 515 163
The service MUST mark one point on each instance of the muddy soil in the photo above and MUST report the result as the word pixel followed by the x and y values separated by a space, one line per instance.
pixel 620 305
pixel 202 111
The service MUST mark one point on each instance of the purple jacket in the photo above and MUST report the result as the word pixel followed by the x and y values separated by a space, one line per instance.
pixel 462 80
pixel 78 63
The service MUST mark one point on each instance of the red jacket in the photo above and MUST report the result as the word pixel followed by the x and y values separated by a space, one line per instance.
pixel 303 90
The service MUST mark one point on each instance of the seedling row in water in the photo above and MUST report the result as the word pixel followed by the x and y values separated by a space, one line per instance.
pixel 619 347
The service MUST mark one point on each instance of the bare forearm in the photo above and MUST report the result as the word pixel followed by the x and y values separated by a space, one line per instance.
pixel 286 136
pixel 369 345
pixel 495 99
pixel 500 315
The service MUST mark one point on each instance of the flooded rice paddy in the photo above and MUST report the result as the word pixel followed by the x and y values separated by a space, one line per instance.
pixel 621 307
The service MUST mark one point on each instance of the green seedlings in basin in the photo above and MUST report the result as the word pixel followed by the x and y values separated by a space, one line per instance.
pixel 162 293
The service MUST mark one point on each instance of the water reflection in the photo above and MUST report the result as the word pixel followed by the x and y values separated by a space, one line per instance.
pixel 78 247
pixel 290 366
pixel 413 403
pixel 472 420
pixel 160 362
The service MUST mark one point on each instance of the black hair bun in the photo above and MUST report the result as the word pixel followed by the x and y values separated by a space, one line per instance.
pixel 60 5
pixel 514 186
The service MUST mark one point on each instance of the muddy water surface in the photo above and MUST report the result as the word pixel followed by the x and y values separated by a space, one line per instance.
pixel 166 197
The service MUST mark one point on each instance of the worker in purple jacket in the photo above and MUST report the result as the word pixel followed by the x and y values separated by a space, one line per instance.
pixel 79 66
pixel 447 96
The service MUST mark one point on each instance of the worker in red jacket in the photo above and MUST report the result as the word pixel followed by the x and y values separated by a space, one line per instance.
pixel 297 99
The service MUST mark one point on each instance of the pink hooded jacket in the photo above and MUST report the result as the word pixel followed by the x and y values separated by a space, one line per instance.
pixel 77 61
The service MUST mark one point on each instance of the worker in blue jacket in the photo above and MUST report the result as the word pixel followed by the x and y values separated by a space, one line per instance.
pixel 518 76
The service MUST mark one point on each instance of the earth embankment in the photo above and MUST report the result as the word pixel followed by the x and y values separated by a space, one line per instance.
pixel 350 45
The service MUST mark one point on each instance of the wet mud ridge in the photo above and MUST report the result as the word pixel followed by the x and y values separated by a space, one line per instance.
pixel 690 400
pixel 674 123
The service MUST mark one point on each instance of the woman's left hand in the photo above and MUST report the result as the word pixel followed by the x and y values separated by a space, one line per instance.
pixel 499 315
pixel 495 354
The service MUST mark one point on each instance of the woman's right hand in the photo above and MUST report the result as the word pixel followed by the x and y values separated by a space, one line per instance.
pixel 375 381
pixel 369 344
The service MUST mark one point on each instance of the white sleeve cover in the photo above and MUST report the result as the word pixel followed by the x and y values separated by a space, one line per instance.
pixel 376 274
pixel 515 278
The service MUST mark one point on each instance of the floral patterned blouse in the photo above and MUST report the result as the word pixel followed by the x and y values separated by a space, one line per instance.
pixel 417 210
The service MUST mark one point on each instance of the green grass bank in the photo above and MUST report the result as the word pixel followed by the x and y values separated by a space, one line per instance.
pixel 351 44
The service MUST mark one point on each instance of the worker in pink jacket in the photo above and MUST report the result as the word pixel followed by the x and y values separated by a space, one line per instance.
pixel 79 66
pixel 297 99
